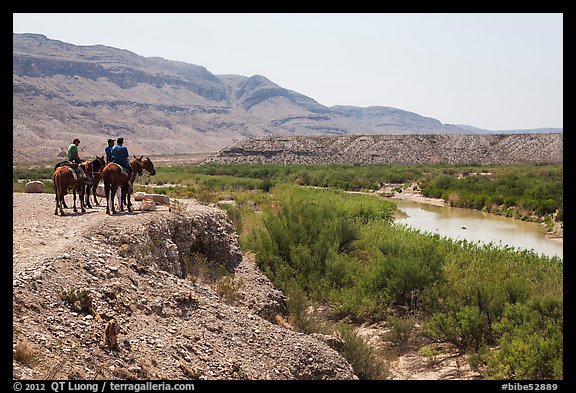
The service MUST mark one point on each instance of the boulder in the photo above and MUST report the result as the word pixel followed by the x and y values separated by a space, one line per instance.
pixel 100 191
pixel 147 206
pixel 161 199
pixel 139 196
pixel 34 186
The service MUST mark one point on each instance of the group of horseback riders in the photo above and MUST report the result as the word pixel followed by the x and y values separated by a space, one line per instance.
pixel 83 177
pixel 117 154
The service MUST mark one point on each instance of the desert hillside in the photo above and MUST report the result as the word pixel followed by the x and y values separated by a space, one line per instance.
pixel 63 91
pixel 397 149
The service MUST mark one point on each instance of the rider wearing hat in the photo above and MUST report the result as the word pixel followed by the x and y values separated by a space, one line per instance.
pixel 73 158
pixel 108 150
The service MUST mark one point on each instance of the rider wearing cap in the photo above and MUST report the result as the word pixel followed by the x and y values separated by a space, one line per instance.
pixel 73 158
pixel 108 150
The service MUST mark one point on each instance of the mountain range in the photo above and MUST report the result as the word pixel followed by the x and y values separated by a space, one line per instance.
pixel 62 91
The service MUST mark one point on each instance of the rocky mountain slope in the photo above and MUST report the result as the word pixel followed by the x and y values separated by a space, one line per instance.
pixel 62 91
pixel 130 297
pixel 397 149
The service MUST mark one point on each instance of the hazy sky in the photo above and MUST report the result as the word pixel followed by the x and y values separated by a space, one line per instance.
pixel 489 70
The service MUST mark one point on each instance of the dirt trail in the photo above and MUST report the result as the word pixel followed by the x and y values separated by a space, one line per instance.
pixel 39 233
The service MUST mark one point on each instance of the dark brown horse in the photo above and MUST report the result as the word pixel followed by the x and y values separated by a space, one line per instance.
pixel 65 178
pixel 114 178
pixel 91 186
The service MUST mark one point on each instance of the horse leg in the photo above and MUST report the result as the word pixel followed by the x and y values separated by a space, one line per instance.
pixel 124 196
pixel 81 197
pixel 94 187
pixel 62 204
pixel 57 182
pixel 74 193
pixel 129 203
pixel 86 190
pixel 112 195
pixel 107 194
pixel 62 213
pixel 120 196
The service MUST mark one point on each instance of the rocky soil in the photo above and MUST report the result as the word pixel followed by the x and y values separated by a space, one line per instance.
pixel 148 295
pixel 396 149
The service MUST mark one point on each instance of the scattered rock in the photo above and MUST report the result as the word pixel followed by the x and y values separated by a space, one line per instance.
pixel 139 196
pixel 147 206
pixel 100 191
pixel 158 198
pixel 34 186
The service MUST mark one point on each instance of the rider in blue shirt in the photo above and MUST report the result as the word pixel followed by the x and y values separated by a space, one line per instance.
pixel 108 150
pixel 120 155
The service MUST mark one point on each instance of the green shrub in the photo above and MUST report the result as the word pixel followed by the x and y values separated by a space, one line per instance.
pixel 361 356
pixel 400 329
pixel 531 343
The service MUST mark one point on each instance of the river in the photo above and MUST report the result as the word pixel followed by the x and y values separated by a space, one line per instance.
pixel 476 226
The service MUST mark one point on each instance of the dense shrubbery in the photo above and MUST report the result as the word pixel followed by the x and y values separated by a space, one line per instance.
pixel 521 190
pixel 343 250
pixel 518 191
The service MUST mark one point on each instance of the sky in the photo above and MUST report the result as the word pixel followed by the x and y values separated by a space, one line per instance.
pixel 495 71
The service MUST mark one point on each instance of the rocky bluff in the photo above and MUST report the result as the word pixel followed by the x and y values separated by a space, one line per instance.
pixel 396 149
pixel 132 297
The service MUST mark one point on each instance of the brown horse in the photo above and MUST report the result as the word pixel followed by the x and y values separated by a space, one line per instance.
pixel 64 179
pixel 91 186
pixel 114 178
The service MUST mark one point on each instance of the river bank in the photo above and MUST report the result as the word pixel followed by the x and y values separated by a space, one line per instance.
pixel 413 194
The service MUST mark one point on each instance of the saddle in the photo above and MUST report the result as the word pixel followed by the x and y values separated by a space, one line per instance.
pixel 77 171
pixel 124 171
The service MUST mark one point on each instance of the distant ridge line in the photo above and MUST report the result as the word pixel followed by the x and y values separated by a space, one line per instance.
pixel 396 149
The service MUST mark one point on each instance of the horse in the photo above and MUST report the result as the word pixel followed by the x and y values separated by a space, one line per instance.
pixel 65 179
pixel 114 179
pixel 91 186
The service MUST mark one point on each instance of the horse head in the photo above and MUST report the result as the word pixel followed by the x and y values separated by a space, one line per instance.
pixel 87 167
pixel 141 163
pixel 148 165
pixel 137 165
pixel 98 164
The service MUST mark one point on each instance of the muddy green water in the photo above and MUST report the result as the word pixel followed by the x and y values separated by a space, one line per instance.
pixel 476 226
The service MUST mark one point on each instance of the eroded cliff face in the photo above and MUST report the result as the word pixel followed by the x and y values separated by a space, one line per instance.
pixel 396 149
pixel 149 295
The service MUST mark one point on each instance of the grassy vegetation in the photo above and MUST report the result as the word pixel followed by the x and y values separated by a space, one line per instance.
pixel 524 191
pixel 501 305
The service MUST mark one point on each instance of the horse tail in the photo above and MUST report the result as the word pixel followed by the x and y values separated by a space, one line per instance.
pixel 105 174
pixel 57 180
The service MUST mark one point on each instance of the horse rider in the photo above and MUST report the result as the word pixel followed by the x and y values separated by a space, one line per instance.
pixel 120 156
pixel 108 150
pixel 73 158
pixel 73 152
